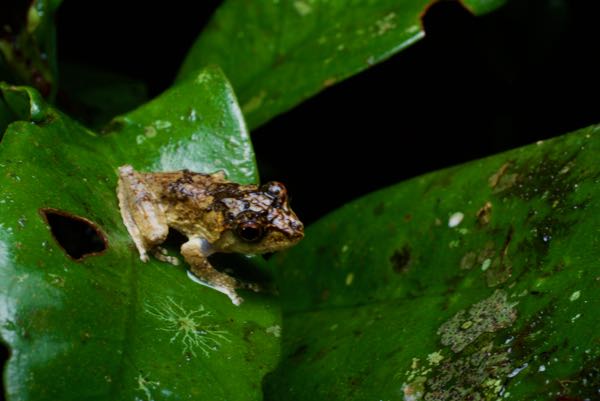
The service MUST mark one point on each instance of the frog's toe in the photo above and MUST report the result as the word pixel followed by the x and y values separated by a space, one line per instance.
pixel 250 286
pixel 230 292
pixel 236 300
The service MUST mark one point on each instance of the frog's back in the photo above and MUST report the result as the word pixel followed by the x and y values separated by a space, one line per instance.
pixel 182 184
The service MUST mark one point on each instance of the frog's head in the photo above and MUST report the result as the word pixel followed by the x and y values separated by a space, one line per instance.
pixel 265 222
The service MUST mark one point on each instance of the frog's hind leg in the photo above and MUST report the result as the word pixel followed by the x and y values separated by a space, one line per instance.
pixel 141 212
pixel 195 253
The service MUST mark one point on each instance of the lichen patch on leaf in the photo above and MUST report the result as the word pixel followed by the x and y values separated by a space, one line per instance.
pixel 481 376
pixel 145 385
pixel 383 25
pixel 487 316
pixel 189 327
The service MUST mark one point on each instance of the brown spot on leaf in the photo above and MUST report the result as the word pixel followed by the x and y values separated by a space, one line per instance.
pixel 501 268
pixel 499 272
pixel 328 82
pixel 495 178
pixel 487 252
pixel 484 214
pixel 299 352
pixel 468 260
pixel 322 353
pixel 401 260
pixel 85 337
pixel 378 210
pixel 500 180
pixel 355 381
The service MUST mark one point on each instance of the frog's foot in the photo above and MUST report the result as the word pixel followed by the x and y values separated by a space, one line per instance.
pixel 227 290
pixel 195 253
pixel 249 286
pixel 161 254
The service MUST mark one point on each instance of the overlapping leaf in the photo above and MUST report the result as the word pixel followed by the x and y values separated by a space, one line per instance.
pixel 278 53
pixel 477 282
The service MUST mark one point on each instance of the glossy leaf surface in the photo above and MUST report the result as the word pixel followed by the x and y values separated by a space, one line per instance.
pixel 477 282
pixel 107 326
pixel 278 53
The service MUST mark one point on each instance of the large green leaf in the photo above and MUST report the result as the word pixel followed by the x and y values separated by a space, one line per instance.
pixel 478 282
pixel 28 45
pixel 278 53
pixel 108 327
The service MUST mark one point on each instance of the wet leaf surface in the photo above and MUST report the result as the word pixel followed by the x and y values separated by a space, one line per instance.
pixel 278 53
pixel 101 324
pixel 476 282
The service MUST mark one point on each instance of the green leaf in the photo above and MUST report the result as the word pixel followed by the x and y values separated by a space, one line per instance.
pixel 107 326
pixel 278 53
pixel 480 7
pixel 476 282
pixel 28 45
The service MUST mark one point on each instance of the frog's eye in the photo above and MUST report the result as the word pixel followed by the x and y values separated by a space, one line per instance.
pixel 275 189
pixel 249 231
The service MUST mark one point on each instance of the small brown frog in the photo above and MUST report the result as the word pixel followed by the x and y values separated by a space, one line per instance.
pixel 216 215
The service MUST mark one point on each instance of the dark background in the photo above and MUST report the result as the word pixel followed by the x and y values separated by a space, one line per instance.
pixel 473 87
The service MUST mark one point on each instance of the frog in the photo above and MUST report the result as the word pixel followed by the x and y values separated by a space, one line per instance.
pixel 213 213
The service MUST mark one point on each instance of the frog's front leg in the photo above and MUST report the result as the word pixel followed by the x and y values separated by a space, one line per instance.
pixel 196 252
pixel 141 211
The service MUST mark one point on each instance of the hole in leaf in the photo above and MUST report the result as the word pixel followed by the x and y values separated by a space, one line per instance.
pixel 78 236
pixel 4 355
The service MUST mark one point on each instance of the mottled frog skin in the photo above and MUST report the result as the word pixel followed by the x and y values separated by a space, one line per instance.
pixel 215 215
